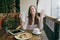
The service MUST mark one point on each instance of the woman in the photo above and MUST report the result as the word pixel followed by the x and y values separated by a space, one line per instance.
pixel 35 19
pixel 32 18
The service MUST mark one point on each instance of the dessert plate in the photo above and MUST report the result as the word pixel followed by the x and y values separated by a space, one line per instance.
pixel 23 36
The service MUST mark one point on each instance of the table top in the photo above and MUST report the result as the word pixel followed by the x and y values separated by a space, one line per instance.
pixel 8 36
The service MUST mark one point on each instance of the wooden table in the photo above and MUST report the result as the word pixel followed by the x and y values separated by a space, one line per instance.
pixel 8 36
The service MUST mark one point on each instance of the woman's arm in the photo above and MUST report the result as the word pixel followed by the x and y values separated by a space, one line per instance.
pixel 42 15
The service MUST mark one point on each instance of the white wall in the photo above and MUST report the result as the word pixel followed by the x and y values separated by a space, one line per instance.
pixel 45 5
pixel 24 6
pixel 54 8
pixel 58 2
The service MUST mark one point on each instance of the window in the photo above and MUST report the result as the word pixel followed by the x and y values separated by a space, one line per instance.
pixel 51 7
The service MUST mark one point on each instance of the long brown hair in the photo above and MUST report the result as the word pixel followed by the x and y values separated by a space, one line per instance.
pixel 30 16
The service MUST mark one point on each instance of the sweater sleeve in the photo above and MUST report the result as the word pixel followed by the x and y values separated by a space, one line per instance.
pixel 25 23
pixel 40 22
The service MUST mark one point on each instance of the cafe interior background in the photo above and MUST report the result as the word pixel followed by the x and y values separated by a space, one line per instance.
pixel 12 11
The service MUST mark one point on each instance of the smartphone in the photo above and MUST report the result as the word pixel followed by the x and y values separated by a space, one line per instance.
pixel 13 32
pixel 16 31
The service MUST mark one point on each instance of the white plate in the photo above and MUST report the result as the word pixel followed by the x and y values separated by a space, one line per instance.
pixel 22 38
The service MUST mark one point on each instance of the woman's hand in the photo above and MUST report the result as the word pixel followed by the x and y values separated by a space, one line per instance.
pixel 42 13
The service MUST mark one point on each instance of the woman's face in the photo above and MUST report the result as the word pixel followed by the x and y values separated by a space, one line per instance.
pixel 33 10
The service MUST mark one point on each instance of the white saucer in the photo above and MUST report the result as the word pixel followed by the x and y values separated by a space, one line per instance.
pixel 37 33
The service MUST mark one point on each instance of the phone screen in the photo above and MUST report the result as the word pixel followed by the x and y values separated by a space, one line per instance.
pixel 16 31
